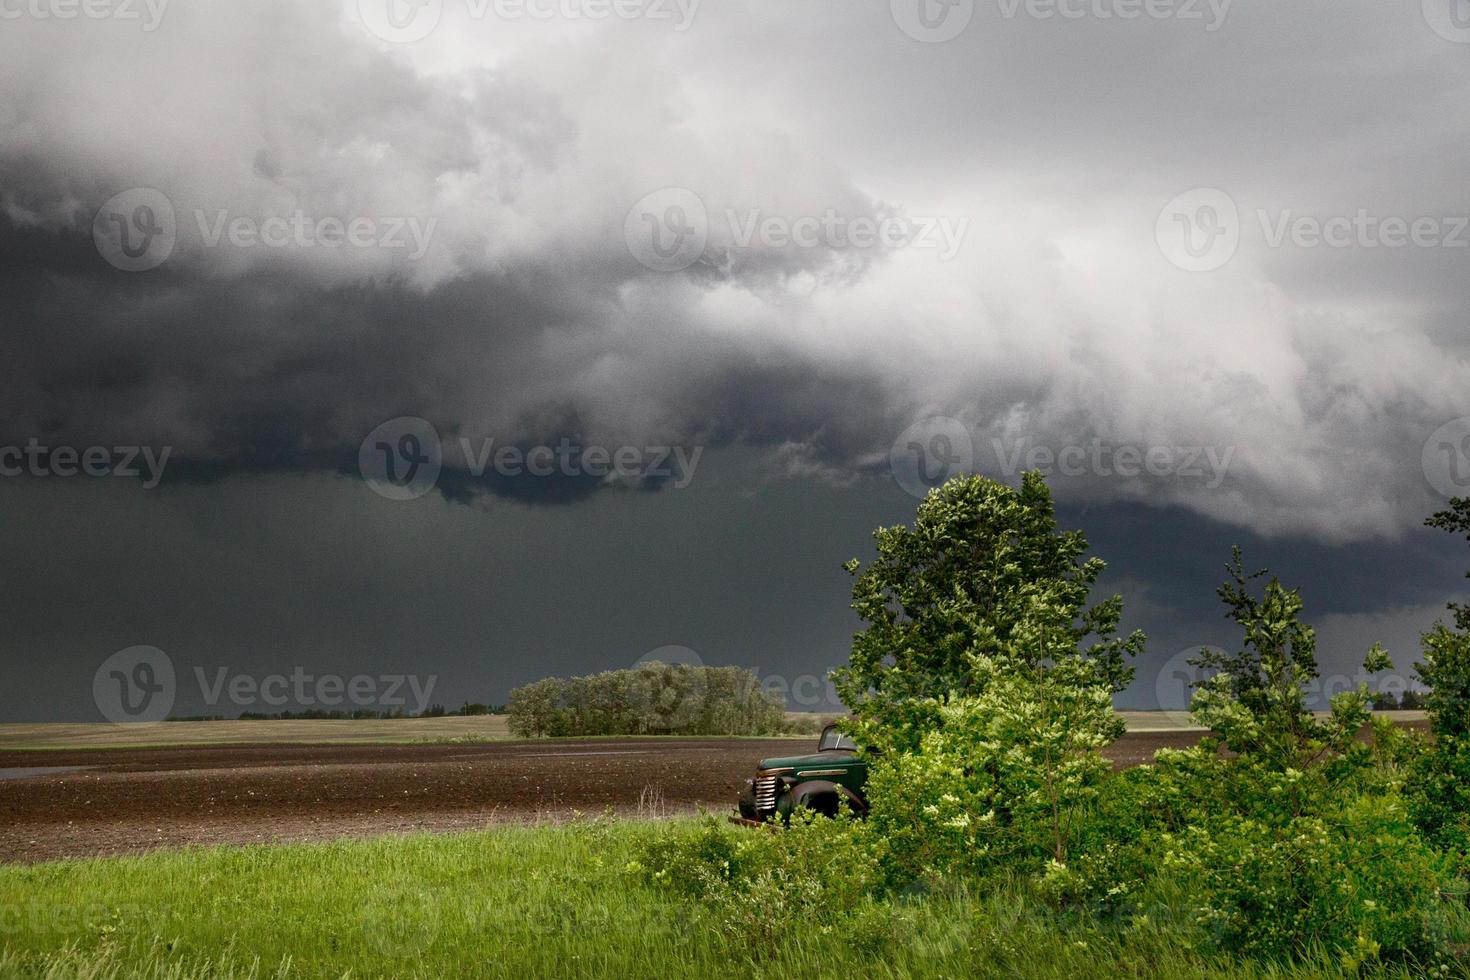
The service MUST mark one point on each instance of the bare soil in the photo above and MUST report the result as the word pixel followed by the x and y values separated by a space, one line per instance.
pixel 127 800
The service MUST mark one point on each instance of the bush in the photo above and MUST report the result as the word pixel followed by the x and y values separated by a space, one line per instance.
pixel 1359 883
pixel 1003 781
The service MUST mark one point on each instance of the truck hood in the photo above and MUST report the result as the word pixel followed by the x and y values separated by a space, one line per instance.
pixel 817 760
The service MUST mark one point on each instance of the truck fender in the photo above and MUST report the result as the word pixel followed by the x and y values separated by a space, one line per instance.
pixel 822 796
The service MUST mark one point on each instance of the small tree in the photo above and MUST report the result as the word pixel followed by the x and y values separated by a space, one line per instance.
pixel 1257 701
pixel 1440 796
pixel 1456 520
pixel 972 682
pixel 983 571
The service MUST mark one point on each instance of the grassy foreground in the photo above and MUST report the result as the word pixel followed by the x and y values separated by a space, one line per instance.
pixel 514 902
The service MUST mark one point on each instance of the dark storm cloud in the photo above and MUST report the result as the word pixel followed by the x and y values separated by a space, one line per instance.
pixel 1054 323
pixel 525 313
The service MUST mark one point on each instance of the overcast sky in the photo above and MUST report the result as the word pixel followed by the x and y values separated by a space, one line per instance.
pixel 478 340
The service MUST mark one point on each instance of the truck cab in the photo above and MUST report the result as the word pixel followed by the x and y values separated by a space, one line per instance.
pixel 828 780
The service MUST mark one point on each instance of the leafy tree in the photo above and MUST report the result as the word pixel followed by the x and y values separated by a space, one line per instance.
pixel 1440 793
pixel 1456 520
pixel 1004 781
pixel 1257 701
pixel 983 573
pixel 653 699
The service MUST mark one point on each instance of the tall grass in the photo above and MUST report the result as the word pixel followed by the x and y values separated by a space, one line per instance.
pixel 511 902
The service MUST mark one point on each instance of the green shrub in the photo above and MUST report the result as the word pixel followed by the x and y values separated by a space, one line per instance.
pixel 1359 883
pixel 1004 781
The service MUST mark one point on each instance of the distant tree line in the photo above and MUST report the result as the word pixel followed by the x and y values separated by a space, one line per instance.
pixel 468 709
pixel 650 699
pixel 1407 701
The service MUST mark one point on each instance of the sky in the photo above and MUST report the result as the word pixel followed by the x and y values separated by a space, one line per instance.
pixel 441 345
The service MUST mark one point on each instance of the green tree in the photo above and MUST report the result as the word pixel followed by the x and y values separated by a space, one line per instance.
pixel 1440 792
pixel 983 573
pixel 1456 520
pixel 1257 701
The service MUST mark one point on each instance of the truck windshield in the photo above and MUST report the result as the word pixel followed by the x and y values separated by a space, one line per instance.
pixel 833 739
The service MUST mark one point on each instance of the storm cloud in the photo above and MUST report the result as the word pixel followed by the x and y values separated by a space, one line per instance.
pixel 982 231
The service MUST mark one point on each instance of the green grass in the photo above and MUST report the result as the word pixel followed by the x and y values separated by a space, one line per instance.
pixel 514 902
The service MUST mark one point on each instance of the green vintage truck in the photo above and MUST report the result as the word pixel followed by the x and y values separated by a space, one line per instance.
pixel 828 780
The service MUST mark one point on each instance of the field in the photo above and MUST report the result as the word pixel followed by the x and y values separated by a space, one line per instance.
pixel 442 847
pixel 81 802
pixel 556 901
pixel 483 728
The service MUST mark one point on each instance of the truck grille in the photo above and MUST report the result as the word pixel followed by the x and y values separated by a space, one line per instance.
pixel 765 795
